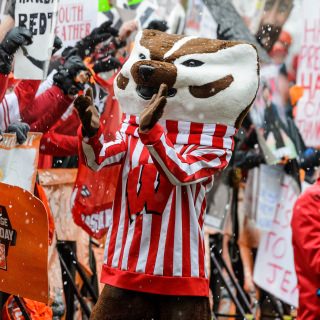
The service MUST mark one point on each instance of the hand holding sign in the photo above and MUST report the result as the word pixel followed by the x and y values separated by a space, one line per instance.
pixel 14 39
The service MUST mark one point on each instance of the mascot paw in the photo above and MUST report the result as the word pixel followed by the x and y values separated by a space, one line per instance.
pixel 88 113
pixel 154 111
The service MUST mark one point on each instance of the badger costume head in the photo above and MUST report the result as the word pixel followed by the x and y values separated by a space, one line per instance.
pixel 209 81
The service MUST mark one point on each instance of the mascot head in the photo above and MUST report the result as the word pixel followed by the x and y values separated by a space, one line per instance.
pixel 209 81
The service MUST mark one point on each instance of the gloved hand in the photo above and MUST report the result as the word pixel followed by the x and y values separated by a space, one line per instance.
pixel 87 45
pixel 57 44
pixel 224 34
pixel 21 130
pixel 88 113
pixel 69 77
pixel 14 39
pixel 106 64
pixel 160 25
pixel 248 159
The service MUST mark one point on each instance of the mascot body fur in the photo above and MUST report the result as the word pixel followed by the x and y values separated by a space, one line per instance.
pixel 155 244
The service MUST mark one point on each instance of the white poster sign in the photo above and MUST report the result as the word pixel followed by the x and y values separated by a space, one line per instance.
pixel 308 111
pixel 32 61
pixel 199 21
pixel 274 268
pixel 19 163
pixel 270 180
pixel 76 19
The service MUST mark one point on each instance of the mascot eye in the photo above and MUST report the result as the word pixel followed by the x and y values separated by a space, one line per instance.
pixel 192 63
pixel 142 56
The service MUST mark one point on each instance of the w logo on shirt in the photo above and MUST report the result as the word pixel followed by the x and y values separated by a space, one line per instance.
pixel 147 190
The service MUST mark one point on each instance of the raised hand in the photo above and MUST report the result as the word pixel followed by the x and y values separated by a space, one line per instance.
pixel 154 111
pixel 88 113
pixel 14 39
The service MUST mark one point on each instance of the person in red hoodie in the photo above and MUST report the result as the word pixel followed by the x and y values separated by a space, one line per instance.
pixel 306 246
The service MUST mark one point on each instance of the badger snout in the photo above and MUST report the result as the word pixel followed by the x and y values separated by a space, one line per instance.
pixel 146 72
pixel 153 73
pixel 149 75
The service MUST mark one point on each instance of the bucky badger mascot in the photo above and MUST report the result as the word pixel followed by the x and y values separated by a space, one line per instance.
pixel 183 99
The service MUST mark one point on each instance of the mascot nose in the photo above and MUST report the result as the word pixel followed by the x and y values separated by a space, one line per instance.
pixel 146 72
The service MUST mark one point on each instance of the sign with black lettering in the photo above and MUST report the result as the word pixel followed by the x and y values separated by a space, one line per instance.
pixel 7 237
pixel 39 16
pixel 24 235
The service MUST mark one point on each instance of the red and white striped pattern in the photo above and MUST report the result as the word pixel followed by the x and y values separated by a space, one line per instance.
pixel 161 253
pixel 9 111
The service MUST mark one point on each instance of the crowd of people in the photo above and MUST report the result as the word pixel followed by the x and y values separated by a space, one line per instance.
pixel 268 137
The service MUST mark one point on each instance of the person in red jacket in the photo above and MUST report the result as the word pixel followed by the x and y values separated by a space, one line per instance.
pixel 306 245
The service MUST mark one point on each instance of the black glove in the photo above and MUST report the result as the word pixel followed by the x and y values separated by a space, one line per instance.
pixel 21 130
pixel 14 39
pixel 106 64
pixel 226 34
pixel 87 45
pixel 160 25
pixel 248 159
pixel 65 77
pixel 57 44
pixel 69 52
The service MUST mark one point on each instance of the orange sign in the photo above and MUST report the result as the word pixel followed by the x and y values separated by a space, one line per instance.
pixel 23 244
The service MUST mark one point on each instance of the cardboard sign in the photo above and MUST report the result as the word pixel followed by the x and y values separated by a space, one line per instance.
pixel 218 203
pixel 270 180
pixel 308 77
pixel 18 163
pixel 225 15
pixel 199 21
pixel 23 244
pixel 274 268
pixel 32 62
pixel 76 19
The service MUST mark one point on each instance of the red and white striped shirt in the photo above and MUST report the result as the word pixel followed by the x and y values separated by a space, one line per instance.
pixel 155 243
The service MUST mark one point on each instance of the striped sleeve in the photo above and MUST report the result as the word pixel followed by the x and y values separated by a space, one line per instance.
pixel 98 154
pixel 196 165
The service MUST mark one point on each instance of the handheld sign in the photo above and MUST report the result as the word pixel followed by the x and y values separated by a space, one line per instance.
pixel 76 19
pixel 32 62
pixel 23 244
pixel 308 77
pixel 274 268
pixel 18 163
